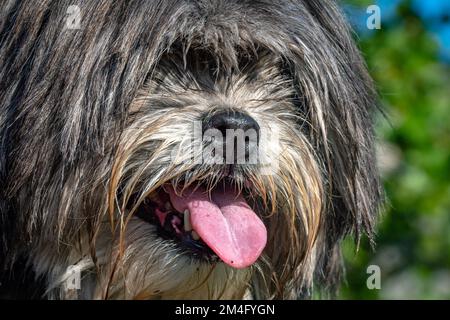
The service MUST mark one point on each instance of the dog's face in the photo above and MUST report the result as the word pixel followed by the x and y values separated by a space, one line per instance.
pixel 184 150
pixel 178 170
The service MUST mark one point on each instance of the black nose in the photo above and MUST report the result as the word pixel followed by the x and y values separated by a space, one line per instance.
pixel 230 120
pixel 240 134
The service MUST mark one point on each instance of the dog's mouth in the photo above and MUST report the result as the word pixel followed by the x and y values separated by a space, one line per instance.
pixel 211 224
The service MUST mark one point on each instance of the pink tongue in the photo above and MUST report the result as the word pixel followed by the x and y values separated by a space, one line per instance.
pixel 225 223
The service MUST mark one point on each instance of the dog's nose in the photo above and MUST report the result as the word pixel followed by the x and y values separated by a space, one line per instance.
pixel 239 135
pixel 233 120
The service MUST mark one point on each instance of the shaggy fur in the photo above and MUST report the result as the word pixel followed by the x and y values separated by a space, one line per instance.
pixel 90 117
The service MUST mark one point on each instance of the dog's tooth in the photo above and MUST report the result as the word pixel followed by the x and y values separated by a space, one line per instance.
pixel 187 221
pixel 195 235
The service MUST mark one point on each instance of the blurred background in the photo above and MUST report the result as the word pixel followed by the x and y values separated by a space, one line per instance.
pixel 409 58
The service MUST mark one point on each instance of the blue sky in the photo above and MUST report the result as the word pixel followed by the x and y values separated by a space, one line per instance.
pixel 434 13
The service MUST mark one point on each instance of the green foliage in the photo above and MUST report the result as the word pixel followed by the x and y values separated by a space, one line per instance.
pixel 413 242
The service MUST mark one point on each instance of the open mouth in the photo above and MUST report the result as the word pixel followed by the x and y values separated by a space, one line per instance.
pixel 211 224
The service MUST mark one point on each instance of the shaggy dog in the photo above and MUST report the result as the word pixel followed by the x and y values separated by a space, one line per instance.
pixel 107 191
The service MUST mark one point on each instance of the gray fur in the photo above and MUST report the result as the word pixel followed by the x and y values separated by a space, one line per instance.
pixel 68 109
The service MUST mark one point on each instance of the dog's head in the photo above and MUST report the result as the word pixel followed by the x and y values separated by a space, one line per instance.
pixel 183 149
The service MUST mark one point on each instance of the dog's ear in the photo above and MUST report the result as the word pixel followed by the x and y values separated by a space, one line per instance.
pixel 354 191
pixel 338 97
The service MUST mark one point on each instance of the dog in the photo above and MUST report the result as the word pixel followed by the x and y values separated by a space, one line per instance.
pixel 119 180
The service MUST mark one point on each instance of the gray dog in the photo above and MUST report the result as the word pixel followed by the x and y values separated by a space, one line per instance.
pixel 200 149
